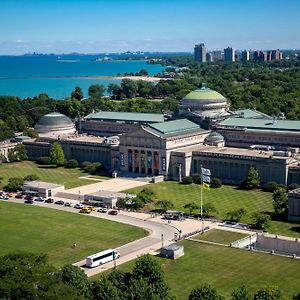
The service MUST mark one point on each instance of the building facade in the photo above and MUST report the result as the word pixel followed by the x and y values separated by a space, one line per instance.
pixel 200 53
pixel 229 54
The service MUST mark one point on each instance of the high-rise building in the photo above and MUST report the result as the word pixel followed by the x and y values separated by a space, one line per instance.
pixel 200 53
pixel 217 55
pixel 263 56
pixel 209 57
pixel 229 54
pixel 276 54
pixel 256 55
pixel 245 55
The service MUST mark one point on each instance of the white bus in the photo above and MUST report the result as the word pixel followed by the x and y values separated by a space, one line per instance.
pixel 101 258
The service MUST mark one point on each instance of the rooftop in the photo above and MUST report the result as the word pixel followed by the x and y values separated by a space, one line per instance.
pixel 126 117
pixel 107 194
pixel 251 114
pixel 262 124
pixel 42 184
pixel 171 128
pixel 204 93
pixel 54 119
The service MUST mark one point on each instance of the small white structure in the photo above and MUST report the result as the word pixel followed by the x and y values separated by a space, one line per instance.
pixel 42 189
pixel 173 251
pixel 104 198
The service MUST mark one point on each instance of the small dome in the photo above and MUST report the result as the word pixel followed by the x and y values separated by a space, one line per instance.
pixel 54 119
pixel 214 137
pixel 55 124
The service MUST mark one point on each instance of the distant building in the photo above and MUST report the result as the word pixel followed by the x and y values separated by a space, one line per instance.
pixel 276 55
pixel 217 55
pixel 229 54
pixel 246 55
pixel 209 57
pixel 256 55
pixel 294 206
pixel 263 56
pixel 200 53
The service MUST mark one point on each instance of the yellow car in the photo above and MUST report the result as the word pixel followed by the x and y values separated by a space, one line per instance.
pixel 92 208
pixel 10 194
pixel 85 210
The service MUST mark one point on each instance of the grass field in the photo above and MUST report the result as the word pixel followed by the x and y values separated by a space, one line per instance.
pixel 225 199
pixel 68 177
pixel 41 230
pixel 220 236
pixel 225 269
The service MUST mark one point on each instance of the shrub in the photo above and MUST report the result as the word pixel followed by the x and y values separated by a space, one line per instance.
pixel 270 186
pixel 196 178
pixel 14 184
pixel 215 183
pixel 187 180
pixel 31 177
pixel 293 186
pixel 43 161
pixel 84 164
pixel 72 163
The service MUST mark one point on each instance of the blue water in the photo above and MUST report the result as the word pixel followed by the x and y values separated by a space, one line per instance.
pixel 28 76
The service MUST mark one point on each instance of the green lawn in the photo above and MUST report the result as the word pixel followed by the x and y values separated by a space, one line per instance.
pixel 220 236
pixel 68 177
pixel 44 230
pixel 225 199
pixel 225 269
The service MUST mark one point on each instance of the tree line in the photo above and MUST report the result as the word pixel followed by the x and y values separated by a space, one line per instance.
pixel 29 276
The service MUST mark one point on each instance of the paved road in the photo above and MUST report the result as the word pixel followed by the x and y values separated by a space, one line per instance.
pixel 158 233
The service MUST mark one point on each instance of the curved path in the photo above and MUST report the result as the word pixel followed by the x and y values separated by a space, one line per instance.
pixel 159 233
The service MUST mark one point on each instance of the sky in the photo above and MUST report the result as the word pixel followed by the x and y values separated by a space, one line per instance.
pixel 97 26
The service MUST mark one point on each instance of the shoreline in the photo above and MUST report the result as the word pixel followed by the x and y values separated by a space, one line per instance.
pixel 109 77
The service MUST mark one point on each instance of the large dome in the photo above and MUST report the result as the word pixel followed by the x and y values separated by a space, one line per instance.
pixel 204 98
pixel 55 124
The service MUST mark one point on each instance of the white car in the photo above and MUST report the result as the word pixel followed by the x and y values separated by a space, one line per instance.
pixel 78 206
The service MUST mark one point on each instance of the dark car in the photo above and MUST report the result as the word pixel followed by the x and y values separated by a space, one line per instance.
pixel 39 199
pixel 28 201
pixel 113 212
pixel 49 200
pixel 59 202
pixel 29 197
pixel 19 196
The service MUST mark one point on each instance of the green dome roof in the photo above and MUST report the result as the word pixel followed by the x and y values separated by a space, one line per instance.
pixel 204 94
pixel 54 119
pixel 214 137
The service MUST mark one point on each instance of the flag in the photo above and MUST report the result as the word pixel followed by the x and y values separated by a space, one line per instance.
pixel 206 186
pixel 206 178
pixel 205 172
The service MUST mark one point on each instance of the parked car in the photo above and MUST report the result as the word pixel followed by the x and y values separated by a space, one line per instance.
pixel 4 197
pixel 59 202
pixel 102 210
pixel 19 196
pixel 29 197
pixel 68 204
pixel 85 210
pixel 92 208
pixel 10 195
pixel 28 201
pixel 78 206
pixel 113 212
pixel 39 199
pixel 49 200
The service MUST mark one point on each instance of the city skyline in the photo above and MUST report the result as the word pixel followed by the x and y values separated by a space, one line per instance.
pixel 164 26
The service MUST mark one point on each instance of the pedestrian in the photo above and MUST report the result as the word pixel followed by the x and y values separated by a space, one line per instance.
pixel 74 245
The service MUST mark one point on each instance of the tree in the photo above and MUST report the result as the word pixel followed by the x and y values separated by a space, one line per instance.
pixel 77 93
pixel 268 293
pixel 270 186
pixel 30 132
pixel 148 269
pixel 280 201
pixel 57 156
pixel 236 215
pixel 129 88
pixel 215 183
pixel 208 209
pixel 261 221
pixel 103 289
pixel 164 204
pixel 252 181
pixel 205 292
pixel 240 294
pixel 14 184
pixel 75 277
pixel 191 206
pixel 21 152
pixel 31 177
pixel 115 91
pixel 96 91
pixel 43 160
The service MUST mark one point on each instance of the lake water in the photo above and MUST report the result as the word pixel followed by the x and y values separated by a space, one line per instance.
pixel 28 76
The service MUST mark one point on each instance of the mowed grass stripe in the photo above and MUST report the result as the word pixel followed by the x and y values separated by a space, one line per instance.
pixel 41 230
pixel 225 199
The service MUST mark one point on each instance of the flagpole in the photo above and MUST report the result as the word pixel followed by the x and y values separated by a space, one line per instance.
pixel 201 200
